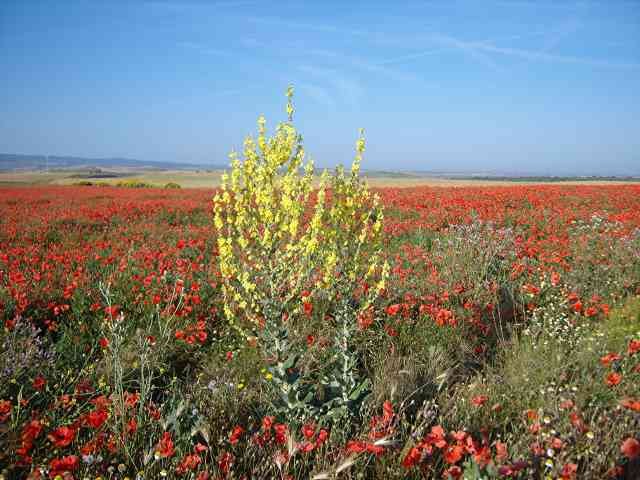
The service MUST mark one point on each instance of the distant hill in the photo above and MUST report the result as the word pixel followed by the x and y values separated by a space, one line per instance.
pixel 13 161
pixel 528 175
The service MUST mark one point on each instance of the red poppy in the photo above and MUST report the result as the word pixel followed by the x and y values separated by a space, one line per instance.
pixel 374 449
pixel 392 310
pixel 5 409
pixel 591 311
pixel 479 400
pixel 577 422
pixel 267 422
pixel 322 437
pixel 365 319
pixel 569 471
pixel 132 426
pixel 573 297
pixel 631 404
pixel 613 379
pixel 112 311
pixel 62 436
pixel 453 454
pixel 308 308
pixel 609 358
pixel 236 433
pixel 531 289
pixel 306 447
pixel 445 317
pixel 392 332
pixel 39 382
pixel 281 433
pixel 225 461
pixel 412 458
pixel 308 430
pixel 165 446
pixel 154 412
pixel 630 448
pixel 501 451
pixel 566 404
pixel 537 449
pixel 355 446
pixel 101 402
pixel 387 411
pixel 483 456
pixel 131 399
pixel 96 418
pixel 634 347
pixel 59 466
pixel 32 430
pixel 454 472
pixel 436 437
pixel 189 462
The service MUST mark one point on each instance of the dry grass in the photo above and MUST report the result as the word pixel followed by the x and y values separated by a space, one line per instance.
pixel 211 179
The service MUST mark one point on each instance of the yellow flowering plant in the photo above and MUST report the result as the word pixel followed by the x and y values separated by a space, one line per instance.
pixel 292 248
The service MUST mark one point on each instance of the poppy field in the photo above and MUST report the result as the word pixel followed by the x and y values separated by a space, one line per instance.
pixel 289 326
pixel 505 343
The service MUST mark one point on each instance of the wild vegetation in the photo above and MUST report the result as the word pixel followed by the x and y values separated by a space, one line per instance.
pixel 295 331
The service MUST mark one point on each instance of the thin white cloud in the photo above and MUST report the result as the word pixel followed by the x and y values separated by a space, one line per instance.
pixel 366 65
pixel 371 35
pixel 455 45
pixel 548 57
pixel 467 48
pixel 317 93
pixel 350 90
pixel 413 56
pixel 482 50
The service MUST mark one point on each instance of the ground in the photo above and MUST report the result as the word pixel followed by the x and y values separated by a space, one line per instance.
pixel 211 178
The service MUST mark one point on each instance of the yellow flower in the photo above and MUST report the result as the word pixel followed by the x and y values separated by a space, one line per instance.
pixel 267 244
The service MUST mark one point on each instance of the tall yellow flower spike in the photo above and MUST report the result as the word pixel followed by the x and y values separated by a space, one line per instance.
pixel 280 230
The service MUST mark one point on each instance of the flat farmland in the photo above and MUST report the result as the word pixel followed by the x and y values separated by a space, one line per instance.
pixel 211 179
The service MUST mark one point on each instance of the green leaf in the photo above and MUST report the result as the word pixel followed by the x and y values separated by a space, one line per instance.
pixel 360 390
pixel 290 362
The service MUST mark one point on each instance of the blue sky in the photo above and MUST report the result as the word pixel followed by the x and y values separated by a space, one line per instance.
pixel 488 85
